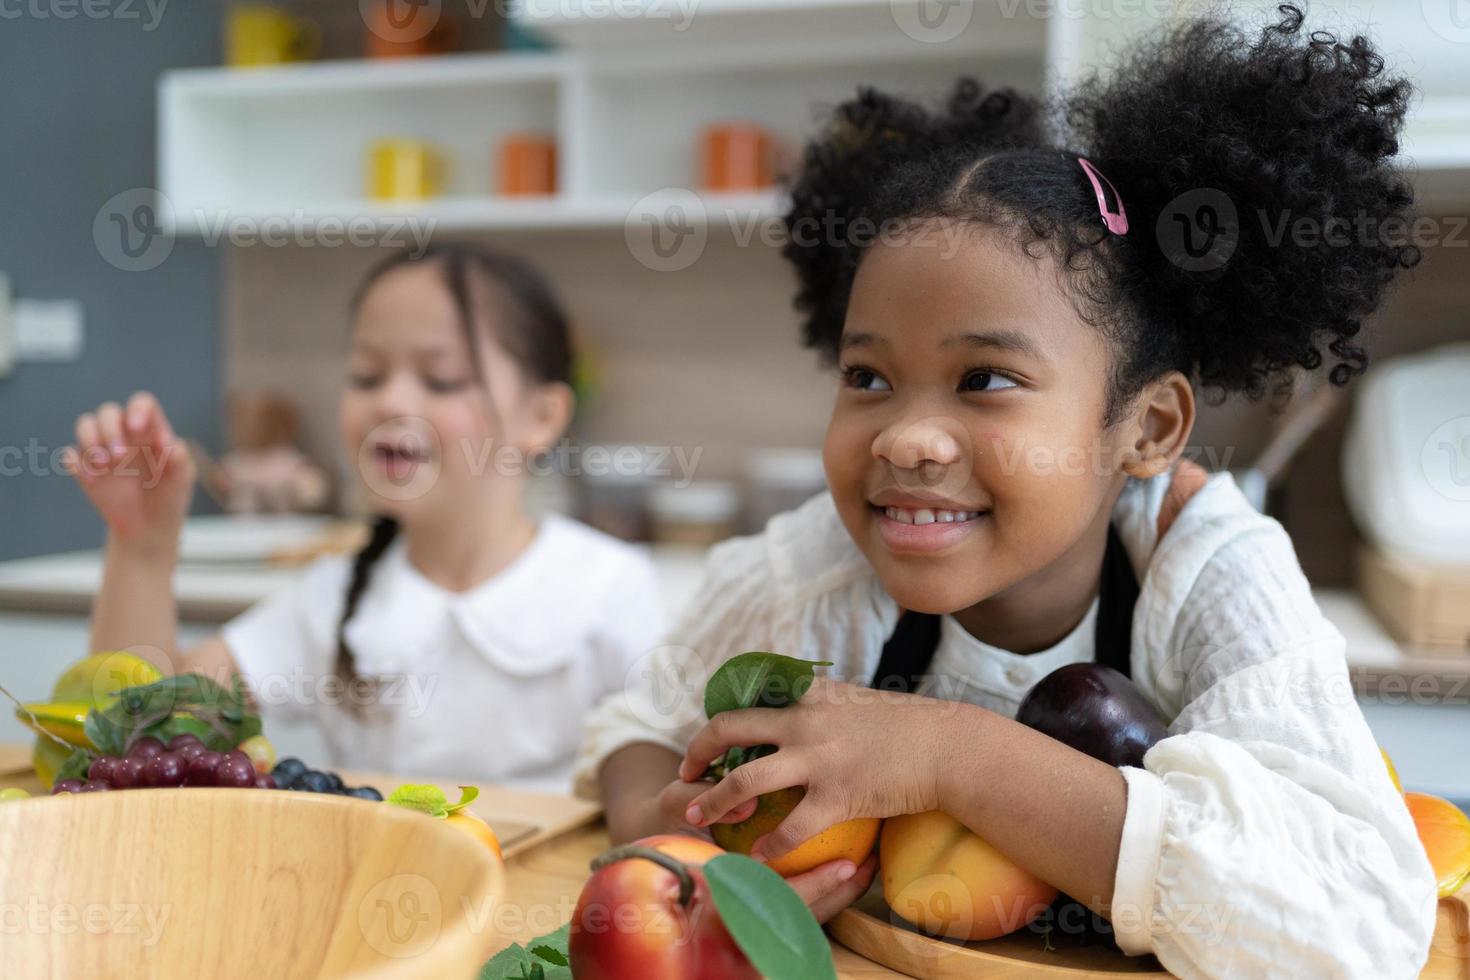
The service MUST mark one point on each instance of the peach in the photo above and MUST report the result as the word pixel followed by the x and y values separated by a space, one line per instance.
pixel 948 881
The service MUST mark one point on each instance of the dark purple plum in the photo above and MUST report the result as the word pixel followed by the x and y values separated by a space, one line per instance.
pixel 1095 710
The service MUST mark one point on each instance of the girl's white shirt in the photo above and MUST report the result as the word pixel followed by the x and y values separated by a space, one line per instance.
pixel 491 683
pixel 1263 837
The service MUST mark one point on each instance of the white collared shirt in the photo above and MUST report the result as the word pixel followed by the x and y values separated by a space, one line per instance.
pixel 1261 838
pixel 490 683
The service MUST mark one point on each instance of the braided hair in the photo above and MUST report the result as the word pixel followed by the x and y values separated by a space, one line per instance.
pixel 1202 121
pixel 529 324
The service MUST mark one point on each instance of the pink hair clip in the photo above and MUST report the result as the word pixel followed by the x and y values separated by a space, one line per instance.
pixel 1116 221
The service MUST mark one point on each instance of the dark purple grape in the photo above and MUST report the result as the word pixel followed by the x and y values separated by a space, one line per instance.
pixel 102 767
pixel 265 781
pixel 146 748
pixel 182 739
pixel 67 786
pixel 335 783
pixel 95 786
pixel 127 773
pixel 164 770
pixel 366 793
pixel 189 750
pixel 235 772
pixel 202 767
pixel 236 754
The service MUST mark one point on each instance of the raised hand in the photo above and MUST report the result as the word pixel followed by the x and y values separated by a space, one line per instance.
pixel 135 471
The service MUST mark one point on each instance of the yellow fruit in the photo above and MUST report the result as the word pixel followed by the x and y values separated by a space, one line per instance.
pixel 852 840
pixel 65 720
pixel 1444 830
pixel 1393 773
pixel 477 828
pixel 948 881
pixel 11 794
pixel 95 680
pixel 47 759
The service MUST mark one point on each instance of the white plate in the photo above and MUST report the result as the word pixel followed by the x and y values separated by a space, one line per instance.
pixel 257 538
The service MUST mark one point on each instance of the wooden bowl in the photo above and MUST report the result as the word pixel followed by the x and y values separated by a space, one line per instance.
pixel 239 883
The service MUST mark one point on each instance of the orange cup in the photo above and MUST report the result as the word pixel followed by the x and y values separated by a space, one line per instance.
pixel 405 30
pixel 737 157
pixel 527 165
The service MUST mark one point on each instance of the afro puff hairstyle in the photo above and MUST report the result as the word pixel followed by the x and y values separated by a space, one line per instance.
pixel 1203 130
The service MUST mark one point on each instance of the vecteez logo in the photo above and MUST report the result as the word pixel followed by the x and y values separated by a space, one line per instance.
pixel 666 231
pixel 932 21
pixel 131 231
pixel 401 21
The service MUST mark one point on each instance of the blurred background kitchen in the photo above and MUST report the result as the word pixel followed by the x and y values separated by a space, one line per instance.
pixel 192 190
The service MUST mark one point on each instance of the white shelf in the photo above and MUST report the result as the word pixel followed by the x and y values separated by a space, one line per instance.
pixel 291 142
pixel 463 214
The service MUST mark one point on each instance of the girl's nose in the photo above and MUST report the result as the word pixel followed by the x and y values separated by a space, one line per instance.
pixel 398 396
pixel 912 443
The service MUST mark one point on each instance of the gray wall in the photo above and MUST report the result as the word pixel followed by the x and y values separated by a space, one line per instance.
pixel 77 126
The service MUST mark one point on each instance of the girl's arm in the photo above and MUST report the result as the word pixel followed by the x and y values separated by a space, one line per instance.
pixel 140 477
pixel 1059 813
pixel 1053 810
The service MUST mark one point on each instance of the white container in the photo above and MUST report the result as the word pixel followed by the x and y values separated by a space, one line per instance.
pixel 697 515
pixel 1406 459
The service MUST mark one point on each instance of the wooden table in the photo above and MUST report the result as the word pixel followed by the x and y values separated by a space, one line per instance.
pixel 543 880
pixel 545 877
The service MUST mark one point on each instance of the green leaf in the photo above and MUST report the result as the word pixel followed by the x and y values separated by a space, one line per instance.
pixel 553 947
pixel 104 733
pixel 756 679
pixel 546 960
pixel 182 703
pixel 511 963
pixel 467 795
pixel 768 921
pixel 425 799
pixel 75 766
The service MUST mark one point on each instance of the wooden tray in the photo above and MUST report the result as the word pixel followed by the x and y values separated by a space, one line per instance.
pixel 870 930
pixel 521 819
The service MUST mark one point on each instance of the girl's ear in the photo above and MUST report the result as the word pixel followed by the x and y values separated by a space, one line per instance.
pixel 550 412
pixel 1160 426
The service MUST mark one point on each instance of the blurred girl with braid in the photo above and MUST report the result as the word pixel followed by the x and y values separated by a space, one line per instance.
pixel 1019 329
pixel 466 638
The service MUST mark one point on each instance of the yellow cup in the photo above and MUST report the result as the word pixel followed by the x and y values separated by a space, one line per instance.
pixel 405 170
pixel 263 35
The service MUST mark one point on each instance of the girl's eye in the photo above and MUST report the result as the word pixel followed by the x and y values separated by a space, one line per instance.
pixel 363 381
pixel 986 381
pixel 442 386
pixel 864 380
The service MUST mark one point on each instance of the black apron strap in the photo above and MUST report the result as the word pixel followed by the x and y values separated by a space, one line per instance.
pixel 910 650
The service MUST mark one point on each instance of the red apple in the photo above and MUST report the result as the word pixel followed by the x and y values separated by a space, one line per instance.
pixel 646 912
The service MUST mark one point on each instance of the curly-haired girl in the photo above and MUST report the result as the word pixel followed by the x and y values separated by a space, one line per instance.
pixel 1021 326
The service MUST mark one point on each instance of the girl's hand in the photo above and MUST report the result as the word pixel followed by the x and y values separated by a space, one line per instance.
pixel 859 753
pixel 135 471
pixel 672 804
pixel 826 889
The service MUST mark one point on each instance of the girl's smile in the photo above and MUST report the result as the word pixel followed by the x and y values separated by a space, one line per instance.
pixel 911 524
